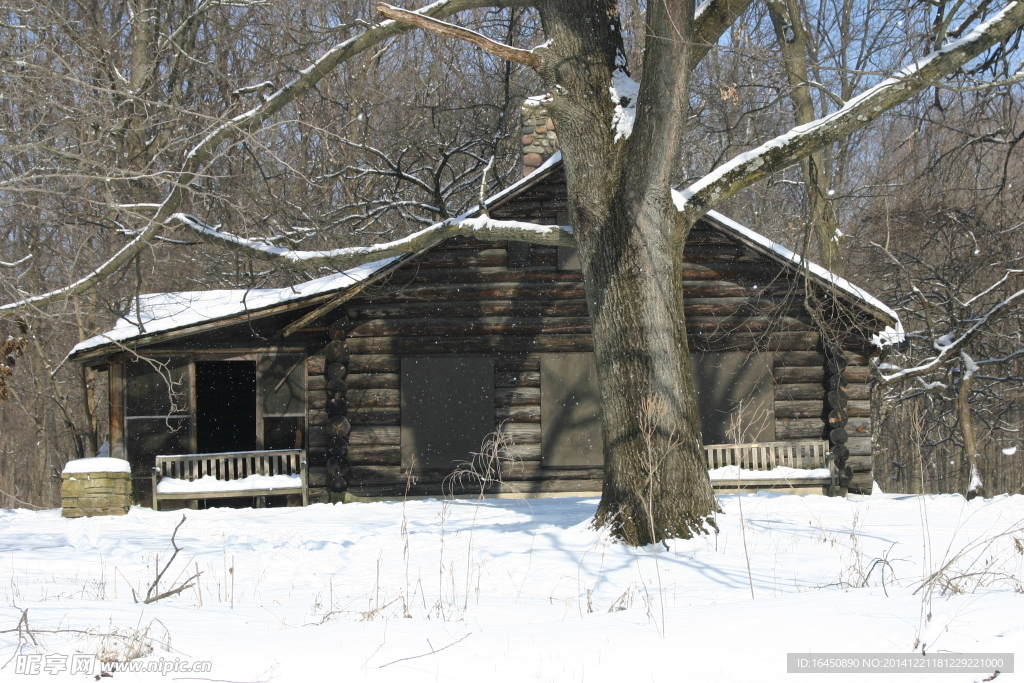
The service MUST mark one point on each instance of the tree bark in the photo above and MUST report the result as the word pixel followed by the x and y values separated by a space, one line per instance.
pixel 792 36
pixel 630 238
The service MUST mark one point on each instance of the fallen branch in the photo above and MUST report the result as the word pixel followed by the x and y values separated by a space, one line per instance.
pixel 426 654
pixel 153 593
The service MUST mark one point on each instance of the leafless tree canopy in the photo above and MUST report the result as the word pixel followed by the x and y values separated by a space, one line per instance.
pixel 108 107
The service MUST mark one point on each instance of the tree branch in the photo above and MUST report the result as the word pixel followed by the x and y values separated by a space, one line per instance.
pixel 235 128
pixel 481 228
pixel 512 54
pixel 712 19
pixel 947 351
pixel 787 149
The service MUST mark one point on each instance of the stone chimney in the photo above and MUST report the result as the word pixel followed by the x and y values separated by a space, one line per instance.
pixel 539 139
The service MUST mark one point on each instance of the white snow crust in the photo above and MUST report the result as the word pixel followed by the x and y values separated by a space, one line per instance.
pixel 734 472
pixel 517 590
pixel 210 484
pixel 624 91
pixel 98 464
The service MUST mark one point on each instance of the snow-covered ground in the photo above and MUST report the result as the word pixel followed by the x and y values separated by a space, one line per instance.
pixel 515 590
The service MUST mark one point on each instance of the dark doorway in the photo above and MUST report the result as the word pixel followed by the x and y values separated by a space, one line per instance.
pixel 225 406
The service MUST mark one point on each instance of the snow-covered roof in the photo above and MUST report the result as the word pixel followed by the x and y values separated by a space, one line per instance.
pixel 520 184
pixel 891 334
pixel 175 310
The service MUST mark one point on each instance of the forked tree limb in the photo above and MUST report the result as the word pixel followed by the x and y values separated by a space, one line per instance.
pixel 949 350
pixel 512 54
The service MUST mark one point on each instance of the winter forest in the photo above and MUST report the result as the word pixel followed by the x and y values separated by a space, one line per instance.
pixel 105 106
pixel 704 178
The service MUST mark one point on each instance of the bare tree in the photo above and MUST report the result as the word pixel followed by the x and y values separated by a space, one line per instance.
pixel 622 141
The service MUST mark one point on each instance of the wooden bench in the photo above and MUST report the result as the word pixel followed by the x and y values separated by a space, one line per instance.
pixel 232 467
pixel 761 457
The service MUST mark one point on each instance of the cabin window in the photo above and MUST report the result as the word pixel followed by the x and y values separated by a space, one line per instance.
pixel 178 404
pixel 447 410
pixel 518 254
pixel 736 396
pixel 157 407
pixel 570 411
pixel 569 259
pixel 282 387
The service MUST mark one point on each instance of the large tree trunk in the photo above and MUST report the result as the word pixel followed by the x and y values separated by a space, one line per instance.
pixel 656 483
pixel 630 237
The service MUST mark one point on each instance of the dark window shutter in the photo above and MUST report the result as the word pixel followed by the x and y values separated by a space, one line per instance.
pixel 447 410
pixel 736 396
pixel 570 411
pixel 518 254
pixel 569 259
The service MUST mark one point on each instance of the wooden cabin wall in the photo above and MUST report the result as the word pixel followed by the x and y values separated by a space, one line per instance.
pixel 462 299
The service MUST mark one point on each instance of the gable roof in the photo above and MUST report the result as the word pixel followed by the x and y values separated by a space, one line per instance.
pixel 163 315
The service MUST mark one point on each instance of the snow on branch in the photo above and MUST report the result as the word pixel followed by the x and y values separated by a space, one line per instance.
pixel 949 347
pixel 512 54
pixel 482 228
pixel 244 124
pixel 787 149
pixel 15 264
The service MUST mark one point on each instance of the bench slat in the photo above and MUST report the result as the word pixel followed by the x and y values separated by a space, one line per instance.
pixel 801 455
pixel 230 467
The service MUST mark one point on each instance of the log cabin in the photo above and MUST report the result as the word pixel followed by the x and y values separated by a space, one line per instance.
pixel 389 376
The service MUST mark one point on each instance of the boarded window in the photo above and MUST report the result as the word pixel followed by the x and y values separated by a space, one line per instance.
pixel 518 254
pixel 736 396
pixel 447 410
pixel 568 259
pixel 157 387
pixel 282 385
pixel 158 409
pixel 570 411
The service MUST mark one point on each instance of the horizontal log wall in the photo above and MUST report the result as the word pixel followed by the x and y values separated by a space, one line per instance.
pixel 462 298
pixel 800 408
